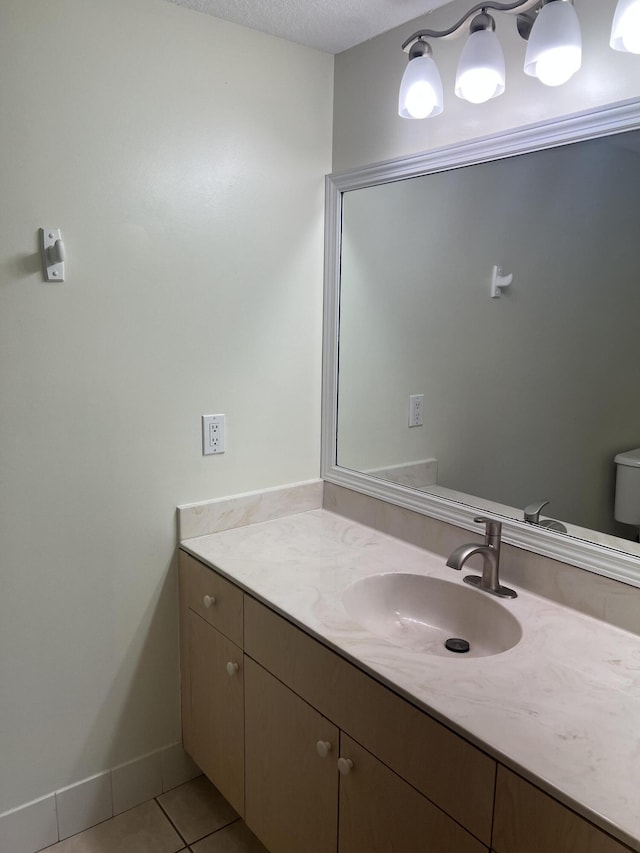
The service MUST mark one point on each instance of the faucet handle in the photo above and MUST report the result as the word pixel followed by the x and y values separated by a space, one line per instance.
pixel 493 528
pixel 532 512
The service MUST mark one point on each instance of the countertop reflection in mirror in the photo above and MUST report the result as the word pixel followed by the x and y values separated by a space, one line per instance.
pixel 527 397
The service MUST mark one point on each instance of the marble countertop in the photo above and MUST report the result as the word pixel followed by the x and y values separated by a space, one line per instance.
pixel 562 707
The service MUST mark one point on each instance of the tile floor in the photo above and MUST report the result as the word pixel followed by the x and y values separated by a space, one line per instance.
pixel 193 817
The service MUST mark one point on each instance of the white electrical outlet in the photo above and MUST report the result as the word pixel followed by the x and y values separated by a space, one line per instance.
pixel 416 410
pixel 212 434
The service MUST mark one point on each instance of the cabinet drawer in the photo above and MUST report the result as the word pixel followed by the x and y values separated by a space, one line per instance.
pixel 529 821
pixel 454 775
pixel 212 597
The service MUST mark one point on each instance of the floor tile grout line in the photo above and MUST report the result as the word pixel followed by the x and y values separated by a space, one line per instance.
pixel 168 817
pixel 195 840
pixel 219 829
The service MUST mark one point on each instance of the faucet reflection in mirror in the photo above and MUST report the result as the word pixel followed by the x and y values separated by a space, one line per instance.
pixel 553 55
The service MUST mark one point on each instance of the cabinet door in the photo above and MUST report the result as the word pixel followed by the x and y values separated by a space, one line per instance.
pixel 291 790
pixel 217 709
pixel 529 821
pixel 381 813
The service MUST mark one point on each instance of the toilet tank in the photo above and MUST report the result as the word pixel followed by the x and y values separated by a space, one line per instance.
pixel 627 506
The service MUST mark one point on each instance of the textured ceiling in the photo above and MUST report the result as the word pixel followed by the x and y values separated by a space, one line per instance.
pixel 329 25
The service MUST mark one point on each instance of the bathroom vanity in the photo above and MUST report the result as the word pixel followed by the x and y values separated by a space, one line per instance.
pixel 326 736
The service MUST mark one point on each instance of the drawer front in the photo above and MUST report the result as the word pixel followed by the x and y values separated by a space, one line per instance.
pixel 452 773
pixel 211 596
pixel 530 821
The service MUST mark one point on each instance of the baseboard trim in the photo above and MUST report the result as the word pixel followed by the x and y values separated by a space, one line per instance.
pixel 67 811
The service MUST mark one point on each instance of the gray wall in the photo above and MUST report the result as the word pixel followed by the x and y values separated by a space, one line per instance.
pixel 528 396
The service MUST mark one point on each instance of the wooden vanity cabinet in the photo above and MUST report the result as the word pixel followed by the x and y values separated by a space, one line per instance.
pixel 294 791
pixel 212 689
pixel 529 821
pixel 443 767
pixel 393 748
pixel 268 712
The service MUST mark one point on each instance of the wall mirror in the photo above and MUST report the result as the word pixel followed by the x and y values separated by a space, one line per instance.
pixel 492 290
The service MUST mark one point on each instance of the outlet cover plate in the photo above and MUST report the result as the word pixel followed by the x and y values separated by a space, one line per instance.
pixel 416 410
pixel 213 434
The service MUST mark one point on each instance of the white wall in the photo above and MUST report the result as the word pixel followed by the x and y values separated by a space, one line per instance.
pixel 183 157
pixel 367 127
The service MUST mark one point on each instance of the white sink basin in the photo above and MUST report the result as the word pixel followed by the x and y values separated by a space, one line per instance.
pixel 421 613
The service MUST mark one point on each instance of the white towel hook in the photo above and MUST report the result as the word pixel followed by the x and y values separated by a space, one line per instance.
pixel 53 254
pixel 499 282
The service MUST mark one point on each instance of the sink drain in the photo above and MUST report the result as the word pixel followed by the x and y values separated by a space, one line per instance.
pixel 457 644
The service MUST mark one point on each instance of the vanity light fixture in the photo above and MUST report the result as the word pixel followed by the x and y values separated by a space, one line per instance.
pixel 625 30
pixel 421 87
pixel 554 48
pixel 554 51
pixel 481 69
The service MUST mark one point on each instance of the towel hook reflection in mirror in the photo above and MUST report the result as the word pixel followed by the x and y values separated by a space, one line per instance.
pixel 499 282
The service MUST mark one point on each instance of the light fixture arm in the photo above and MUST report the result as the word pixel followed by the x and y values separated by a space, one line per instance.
pixel 462 26
pixel 419 48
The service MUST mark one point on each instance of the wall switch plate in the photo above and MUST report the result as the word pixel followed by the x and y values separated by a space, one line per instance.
pixel 416 410
pixel 213 439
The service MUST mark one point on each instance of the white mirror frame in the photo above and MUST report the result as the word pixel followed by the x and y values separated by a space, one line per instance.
pixel 593 557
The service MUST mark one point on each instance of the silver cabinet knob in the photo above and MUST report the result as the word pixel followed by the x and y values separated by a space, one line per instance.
pixel 232 668
pixel 323 748
pixel 345 765
pixel 208 600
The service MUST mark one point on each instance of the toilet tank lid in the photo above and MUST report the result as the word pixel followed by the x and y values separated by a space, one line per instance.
pixel 630 457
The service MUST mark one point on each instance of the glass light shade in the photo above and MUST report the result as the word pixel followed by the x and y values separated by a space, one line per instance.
pixel 481 68
pixel 554 51
pixel 625 30
pixel 420 89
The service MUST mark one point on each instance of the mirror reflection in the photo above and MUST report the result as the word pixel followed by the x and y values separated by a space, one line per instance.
pixel 496 307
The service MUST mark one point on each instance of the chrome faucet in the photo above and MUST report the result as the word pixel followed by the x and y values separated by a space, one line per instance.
pixel 490 550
